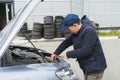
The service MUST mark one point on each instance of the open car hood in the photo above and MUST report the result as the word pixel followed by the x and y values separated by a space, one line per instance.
pixel 13 27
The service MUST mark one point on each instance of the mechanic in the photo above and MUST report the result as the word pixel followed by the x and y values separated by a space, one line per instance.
pixel 87 47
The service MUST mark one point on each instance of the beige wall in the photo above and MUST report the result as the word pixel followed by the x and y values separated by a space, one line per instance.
pixel 49 8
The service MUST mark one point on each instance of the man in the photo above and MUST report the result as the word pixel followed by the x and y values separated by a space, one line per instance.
pixel 87 47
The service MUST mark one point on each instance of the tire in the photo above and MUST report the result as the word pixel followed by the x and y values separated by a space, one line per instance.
pixel 59 36
pixel 48 20
pixel 66 32
pixel 45 26
pixel 28 36
pixel 35 33
pixel 58 23
pixel 24 27
pixel 49 34
pixel 36 37
pixel 29 31
pixel 49 30
pixel 59 32
pixel 48 17
pixel 58 20
pixel 66 35
pixel 58 27
pixel 59 17
pixel 20 34
pixel 37 25
pixel 24 31
pixel 38 30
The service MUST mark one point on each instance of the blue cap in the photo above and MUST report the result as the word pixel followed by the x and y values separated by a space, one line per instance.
pixel 69 20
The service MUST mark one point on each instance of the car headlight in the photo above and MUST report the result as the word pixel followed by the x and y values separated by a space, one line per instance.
pixel 66 74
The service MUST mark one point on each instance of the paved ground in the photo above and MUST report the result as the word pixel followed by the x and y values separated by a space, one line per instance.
pixel 111 48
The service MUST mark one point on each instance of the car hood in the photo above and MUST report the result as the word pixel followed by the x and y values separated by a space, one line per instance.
pixel 30 72
pixel 13 27
pixel 33 71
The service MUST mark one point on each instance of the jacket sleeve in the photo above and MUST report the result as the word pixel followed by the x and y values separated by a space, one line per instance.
pixel 65 44
pixel 89 41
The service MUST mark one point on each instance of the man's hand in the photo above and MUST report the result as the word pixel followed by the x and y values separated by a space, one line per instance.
pixel 53 57
pixel 64 56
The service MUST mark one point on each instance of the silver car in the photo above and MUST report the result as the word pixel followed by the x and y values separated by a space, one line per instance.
pixel 27 63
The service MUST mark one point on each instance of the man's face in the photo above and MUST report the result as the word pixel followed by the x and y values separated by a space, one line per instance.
pixel 75 28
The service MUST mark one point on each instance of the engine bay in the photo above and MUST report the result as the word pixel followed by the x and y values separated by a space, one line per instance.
pixel 18 55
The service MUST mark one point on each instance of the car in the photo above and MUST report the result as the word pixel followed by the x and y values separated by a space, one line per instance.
pixel 28 63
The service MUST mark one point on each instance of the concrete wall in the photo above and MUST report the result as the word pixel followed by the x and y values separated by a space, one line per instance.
pixel 105 12
pixel 49 8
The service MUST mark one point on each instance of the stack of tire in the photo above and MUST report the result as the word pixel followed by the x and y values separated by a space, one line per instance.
pixel 58 25
pixel 37 31
pixel 49 30
pixel 24 30
pixel 66 33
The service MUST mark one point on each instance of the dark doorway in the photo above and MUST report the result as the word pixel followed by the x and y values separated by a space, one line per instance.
pixel 2 16
pixel 6 13
pixel 10 11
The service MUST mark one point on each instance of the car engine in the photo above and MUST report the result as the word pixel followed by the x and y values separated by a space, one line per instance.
pixel 17 55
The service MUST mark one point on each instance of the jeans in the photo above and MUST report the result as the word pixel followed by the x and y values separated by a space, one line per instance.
pixel 97 76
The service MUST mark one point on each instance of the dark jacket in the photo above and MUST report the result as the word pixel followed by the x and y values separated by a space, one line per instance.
pixel 87 48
